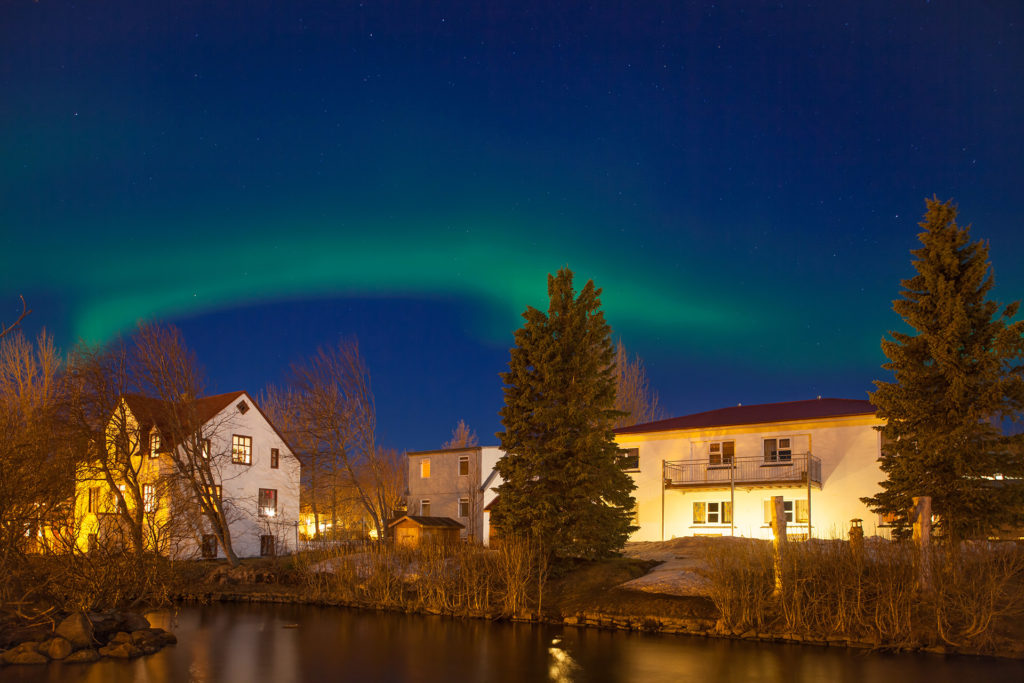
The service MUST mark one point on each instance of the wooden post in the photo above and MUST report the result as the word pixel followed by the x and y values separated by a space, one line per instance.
pixel 778 539
pixel 922 517
pixel 857 538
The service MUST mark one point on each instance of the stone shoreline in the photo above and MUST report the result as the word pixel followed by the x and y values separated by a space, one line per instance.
pixel 85 638
pixel 694 627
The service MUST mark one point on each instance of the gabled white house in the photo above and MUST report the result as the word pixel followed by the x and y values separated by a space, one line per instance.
pixel 256 472
pixel 456 483
pixel 713 473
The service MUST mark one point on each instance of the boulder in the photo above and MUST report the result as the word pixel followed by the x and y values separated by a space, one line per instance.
pixel 124 650
pixel 77 630
pixel 130 621
pixel 121 637
pixel 26 653
pixel 82 657
pixel 56 648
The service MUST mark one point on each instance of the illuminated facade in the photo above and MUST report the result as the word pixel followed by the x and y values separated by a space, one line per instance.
pixel 456 483
pixel 256 475
pixel 713 473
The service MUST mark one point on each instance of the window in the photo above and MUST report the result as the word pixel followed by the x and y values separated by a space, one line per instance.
pixel 243 407
pixel 241 449
pixel 148 497
pixel 215 492
pixel 721 452
pixel 94 499
pixel 425 508
pixel 713 512
pixel 463 507
pixel 115 500
pixel 777 450
pixel 463 465
pixel 800 507
pixel 275 458
pixel 204 448
pixel 209 547
pixel 267 546
pixel 268 503
pixel 154 445
pixel 630 459
pixel 425 468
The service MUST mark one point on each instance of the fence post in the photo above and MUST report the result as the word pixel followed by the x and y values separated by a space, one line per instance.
pixel 779 539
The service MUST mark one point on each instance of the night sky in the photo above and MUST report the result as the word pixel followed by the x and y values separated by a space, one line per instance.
pixel 743 180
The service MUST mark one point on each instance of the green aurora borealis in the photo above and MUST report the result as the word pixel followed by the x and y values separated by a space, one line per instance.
pixel 743 183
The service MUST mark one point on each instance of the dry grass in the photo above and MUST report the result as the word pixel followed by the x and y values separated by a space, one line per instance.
pixel 831 590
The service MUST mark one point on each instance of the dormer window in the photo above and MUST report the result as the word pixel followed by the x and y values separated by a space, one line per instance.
pixel 154 445
pixel 243 407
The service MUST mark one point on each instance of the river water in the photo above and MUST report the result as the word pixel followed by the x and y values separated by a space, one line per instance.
pixel 284 643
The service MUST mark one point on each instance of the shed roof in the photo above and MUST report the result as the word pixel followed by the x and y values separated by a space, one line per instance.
pixel 758 414
pixel 447 522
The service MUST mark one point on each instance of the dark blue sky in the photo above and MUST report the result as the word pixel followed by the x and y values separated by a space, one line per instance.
pixel 743 181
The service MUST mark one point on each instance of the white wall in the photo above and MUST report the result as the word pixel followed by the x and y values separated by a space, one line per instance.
pixel 241 483
pixel 849 449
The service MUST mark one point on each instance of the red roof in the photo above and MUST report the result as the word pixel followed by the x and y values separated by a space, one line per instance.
pixel 153 411
pixel 758 414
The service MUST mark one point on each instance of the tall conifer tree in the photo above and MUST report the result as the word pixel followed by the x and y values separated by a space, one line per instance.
pixel 957 379
pixel 563 481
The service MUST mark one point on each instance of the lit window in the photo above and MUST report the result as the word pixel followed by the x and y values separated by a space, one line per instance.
pixel 630 459
pixel 713 512
pixel 463 507
pixel 463 465
pixel 789 507
pixel 721 452
pixel 425 508
pixel 204 448
pixel 777 450
pixel 425 468
pixel 148 497
pixel 154 445
pixel 241 449
pixel 268 503
pixel 275 457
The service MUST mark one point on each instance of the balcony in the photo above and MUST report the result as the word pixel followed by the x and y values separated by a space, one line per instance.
pixel 748 472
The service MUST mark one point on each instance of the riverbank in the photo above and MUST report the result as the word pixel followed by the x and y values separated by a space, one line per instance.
pixel 656 588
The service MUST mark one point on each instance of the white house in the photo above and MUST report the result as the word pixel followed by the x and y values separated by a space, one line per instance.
pixel 256 472
pixel 713 473
pixel 456 483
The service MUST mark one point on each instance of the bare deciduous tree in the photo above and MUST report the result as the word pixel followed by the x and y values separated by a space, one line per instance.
pixel 331 402
pixel 35 465
pixel 5 329
pixel 169 372
pixel 462 437
pixel 633 393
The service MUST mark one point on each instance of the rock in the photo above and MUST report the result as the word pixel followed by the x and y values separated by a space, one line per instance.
pixel 77 630
pixel 25 653
pixel 121 637
pixel 82 657
pixel 131 621
pixel 123 650
pixel 56 648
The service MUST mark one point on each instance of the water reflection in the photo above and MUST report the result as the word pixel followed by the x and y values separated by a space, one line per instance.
pixel 285 643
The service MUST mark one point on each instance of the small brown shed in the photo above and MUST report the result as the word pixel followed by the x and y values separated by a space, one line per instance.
pixel 416 530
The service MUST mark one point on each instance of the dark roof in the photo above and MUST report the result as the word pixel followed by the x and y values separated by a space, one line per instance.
pixel 758 414
pixel 153 411
pixel 460 449
pixel 429 521
pixel 490 506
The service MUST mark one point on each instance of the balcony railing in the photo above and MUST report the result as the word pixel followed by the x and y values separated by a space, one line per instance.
pixel 798 468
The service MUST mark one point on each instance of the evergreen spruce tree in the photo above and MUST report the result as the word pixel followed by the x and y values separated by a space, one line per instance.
pixel 563 481
pixel 958 378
